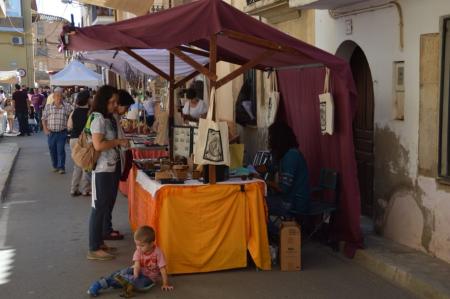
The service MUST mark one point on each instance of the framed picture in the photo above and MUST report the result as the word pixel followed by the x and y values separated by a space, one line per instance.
pixel 184 140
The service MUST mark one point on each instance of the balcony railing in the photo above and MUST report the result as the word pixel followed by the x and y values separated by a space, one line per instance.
pixel 157 8
pixel 102 12
pixel 274 11
pixel 102 15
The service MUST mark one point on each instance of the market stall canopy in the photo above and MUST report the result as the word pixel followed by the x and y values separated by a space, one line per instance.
pixel 122 63
pixel 76 74
pixel 238 38
pixel 9 77
pixel 137 7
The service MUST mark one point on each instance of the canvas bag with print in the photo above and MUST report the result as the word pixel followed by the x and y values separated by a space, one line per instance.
pixel 274 100
pixel 326 107
pixel 212 145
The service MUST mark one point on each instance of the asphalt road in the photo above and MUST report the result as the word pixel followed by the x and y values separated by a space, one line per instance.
pixel 43 243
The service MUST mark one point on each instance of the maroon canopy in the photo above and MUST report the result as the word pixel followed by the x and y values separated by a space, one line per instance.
pixel 194 24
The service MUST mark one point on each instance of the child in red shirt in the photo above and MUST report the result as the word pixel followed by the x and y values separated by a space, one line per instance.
pixel 149 267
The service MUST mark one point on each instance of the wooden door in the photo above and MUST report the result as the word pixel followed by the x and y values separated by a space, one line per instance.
pixel 363 129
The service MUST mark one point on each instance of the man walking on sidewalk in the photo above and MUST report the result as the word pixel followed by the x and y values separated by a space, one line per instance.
pixel 22 107
pixel 54 122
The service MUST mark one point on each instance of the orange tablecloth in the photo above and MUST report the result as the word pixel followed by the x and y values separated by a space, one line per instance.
pixel 204 228
pixel 142 154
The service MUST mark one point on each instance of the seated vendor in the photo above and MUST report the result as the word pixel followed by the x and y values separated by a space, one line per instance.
pixel 194 108
pixel 291 193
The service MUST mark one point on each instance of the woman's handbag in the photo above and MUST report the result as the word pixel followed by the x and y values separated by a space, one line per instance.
pixel 212 144
pixel 84 154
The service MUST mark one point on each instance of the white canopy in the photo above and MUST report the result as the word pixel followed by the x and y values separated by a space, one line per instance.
pixel 76 73
pixel 9 77
pixel 122 63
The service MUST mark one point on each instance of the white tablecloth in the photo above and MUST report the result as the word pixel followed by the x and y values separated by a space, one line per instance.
pixel 152 186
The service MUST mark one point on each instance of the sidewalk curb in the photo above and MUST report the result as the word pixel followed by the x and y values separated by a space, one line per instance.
pixel 399 276
pixel 422 275
pixel 11 152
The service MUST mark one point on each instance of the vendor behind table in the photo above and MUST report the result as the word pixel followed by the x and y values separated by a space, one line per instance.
pixel 194 108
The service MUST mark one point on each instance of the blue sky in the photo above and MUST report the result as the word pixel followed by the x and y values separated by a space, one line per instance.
pixel 57 8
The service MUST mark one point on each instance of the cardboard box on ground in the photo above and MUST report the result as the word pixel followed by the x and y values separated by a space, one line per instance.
pixel 290 246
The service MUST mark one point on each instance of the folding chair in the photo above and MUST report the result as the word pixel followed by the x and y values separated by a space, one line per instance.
pixel 327 201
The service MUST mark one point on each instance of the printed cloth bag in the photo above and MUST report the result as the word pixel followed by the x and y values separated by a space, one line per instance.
pixel 212 144
pixel 326 107
pixel 274 100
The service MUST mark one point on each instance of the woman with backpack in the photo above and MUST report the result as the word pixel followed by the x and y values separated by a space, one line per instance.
pixel 81 180
pixel 105 177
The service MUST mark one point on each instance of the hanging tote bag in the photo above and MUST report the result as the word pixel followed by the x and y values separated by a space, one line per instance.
pixel 83 154
pixel 274 100
pixel 212 145
pixel 326 107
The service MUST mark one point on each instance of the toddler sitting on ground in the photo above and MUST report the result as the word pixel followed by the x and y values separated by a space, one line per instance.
pixel 149 267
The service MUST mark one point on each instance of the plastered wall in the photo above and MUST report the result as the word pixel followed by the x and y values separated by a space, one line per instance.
pixel 412 207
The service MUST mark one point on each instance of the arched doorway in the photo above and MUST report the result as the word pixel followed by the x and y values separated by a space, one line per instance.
pixel 363 124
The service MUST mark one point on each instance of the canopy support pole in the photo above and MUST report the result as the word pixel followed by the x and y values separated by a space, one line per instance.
pixel 171 104
pixel 146 63
pixel 244 68
pixel 212 84
pixel 250 39
pixel 298 67
pixel 197 66
pixel 193 51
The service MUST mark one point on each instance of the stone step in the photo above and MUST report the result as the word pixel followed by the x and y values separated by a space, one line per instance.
pixel 423 275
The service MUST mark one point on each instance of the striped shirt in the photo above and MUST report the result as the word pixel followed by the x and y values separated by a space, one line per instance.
pixel 57 117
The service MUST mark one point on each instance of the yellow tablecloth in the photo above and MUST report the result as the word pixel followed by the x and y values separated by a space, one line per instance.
pixel 205 228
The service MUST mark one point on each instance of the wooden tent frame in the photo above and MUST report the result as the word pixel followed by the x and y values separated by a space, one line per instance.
pixel 210 69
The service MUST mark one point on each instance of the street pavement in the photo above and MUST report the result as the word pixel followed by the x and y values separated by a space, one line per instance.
pixel 43 244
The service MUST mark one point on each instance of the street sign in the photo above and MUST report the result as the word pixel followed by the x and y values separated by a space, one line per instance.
pixel 22 72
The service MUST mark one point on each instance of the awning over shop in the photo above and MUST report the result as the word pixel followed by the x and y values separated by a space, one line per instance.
pixel 9 77
pixel 137 7
pixel 322 4
pixel 230 35
pixel 76 74
pixel 122 63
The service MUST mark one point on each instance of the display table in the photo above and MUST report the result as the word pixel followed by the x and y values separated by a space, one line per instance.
pixel 143 153
pixel 203 228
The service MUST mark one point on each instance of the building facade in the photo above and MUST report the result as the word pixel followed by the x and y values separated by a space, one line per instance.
pixel 47 57
pixel 399 55
pixel 16 40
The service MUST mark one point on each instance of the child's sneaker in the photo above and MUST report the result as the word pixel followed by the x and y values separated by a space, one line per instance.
pixel 95 288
